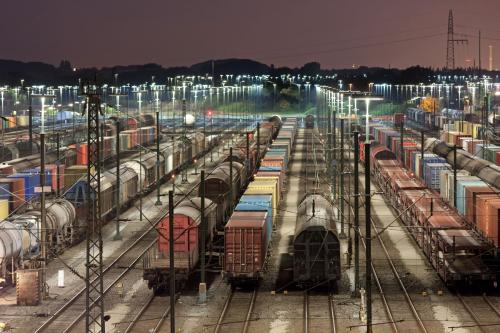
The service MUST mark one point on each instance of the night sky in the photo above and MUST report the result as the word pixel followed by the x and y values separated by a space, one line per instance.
pixel 396 33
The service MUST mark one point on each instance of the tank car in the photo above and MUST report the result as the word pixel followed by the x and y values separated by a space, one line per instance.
pixel 20 234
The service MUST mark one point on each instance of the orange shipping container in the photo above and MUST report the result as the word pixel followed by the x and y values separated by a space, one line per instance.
pixel 16 186
pixel 491 228
pixel 484 214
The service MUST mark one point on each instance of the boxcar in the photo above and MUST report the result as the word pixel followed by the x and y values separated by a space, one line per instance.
pixel 316 247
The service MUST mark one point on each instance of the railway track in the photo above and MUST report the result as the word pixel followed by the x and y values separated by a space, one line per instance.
pixel 315 311
pixel 237 311
pixel 113 272
pixel 382 287
pixel 482 321
pixel 150 317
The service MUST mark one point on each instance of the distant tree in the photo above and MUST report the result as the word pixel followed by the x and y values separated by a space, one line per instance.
pixel 65 66
pixel 311 68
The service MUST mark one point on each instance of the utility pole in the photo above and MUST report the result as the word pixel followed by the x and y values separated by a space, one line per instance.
pixel 202 290
pixel 118 182
pixel 329 138
pixel 334 155
pixel 490 58
pixel 158 183
pixel 58 163
pixel 258 146
pixel 94 300
pixel 30 123
pixel 356 212
pixel 342 230
pixel 401 142
pixel 171 241
pixel 451 41
pixel 43 232
pixel 248 152
pixel 184 179
pixel 479 52
pixel 231 178
pixel 368 236
pixel 422 141
pixel 455 176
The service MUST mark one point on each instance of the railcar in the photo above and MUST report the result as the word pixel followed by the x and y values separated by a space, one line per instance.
pixel 316 246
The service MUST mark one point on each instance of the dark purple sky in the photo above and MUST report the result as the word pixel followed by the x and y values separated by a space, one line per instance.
pixel 396 33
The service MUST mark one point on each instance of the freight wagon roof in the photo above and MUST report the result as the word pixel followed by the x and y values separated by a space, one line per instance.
pixel 193 213
pixel 409 184
pixel 443 220
pixel 196 202
pixel 466 264
pixel 246 224
pixel 250 215
pixel 462 239
pixel 250 198
pixel 250 207
pixel 388 163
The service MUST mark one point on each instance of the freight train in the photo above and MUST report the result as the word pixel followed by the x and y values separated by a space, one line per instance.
pixel 226 212
pixel 20 211
pixel 316 247
pixel 455 240
pixel 20 235
pixel 431 120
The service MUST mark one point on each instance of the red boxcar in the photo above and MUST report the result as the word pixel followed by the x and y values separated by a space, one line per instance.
pixel 245 247
pixel 187 219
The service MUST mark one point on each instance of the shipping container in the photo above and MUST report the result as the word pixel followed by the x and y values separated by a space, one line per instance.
pixel 15 194
pixel 257 203
pixel 266 187
pixel 461 198
pixel 4 209
pixel 31 181
pixel 245 249
pixel 471 194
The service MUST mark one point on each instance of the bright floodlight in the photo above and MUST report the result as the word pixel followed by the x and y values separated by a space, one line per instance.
pixel 367 100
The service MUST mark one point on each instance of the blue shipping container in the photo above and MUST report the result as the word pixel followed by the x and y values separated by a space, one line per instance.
pixel 244 207
pixel 30 182
pixel 461 186
pixel 431 174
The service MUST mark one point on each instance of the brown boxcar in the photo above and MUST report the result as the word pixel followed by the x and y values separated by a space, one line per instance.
pixel 245 248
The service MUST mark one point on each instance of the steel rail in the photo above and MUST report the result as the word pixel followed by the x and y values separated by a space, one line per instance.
pixel 224 311
pixel 139 315
pixel 333 320
pixel 64 307
pixel 306 312
pixel 398 278
pixel 471 313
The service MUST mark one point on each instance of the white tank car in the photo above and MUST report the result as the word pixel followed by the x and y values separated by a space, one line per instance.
pixel 20 234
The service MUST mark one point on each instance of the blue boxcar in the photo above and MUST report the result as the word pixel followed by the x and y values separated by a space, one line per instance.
pixel 31 180
pixel 258 203
pixel 48 175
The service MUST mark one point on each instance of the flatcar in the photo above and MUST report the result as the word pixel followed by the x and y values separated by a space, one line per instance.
pixel 455 236
pixel 316 246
